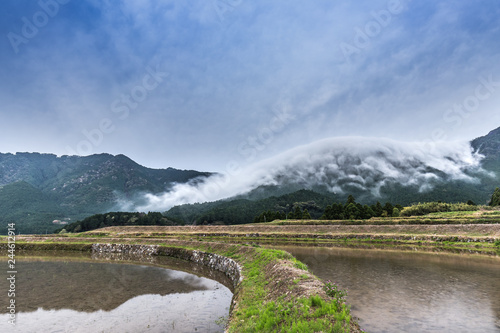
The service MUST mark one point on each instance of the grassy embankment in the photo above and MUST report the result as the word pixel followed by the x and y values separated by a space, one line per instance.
pixel 277 293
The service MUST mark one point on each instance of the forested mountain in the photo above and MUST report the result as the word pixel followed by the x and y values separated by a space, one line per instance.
pixel 294 205
pixel 36 189
pixel 243 208
pixel 488 145
pixel 240 211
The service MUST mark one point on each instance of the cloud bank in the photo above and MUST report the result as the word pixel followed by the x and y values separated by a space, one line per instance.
pixel 338 164
pixel 361 68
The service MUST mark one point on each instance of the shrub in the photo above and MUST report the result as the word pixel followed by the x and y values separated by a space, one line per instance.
pixel 333 290
pixel 436 207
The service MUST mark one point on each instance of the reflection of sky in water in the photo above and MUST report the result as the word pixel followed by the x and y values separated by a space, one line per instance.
pixel 92 286
pixel 62 296
pixel 195 311
pixel 408 292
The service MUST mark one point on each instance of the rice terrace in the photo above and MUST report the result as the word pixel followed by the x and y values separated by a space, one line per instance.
pixel 273 291
pixel 250 166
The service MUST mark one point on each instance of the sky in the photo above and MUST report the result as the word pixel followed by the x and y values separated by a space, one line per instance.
pixel 210 84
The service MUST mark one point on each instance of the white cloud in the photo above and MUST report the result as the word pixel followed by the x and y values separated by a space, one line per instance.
pixel 337 163
pixel 226 77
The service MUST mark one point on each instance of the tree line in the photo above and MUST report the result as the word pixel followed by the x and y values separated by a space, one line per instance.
pixel 351 210
pixel 116 219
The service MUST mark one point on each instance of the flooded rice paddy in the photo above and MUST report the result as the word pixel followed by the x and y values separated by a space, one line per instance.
pixel 412 292
pixel 81 294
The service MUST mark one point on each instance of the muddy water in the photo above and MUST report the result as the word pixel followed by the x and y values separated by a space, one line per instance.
pixel 79 294
pixel 412 292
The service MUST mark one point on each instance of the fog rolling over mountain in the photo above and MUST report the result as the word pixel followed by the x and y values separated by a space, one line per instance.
pixel 36 189
pixel 371 168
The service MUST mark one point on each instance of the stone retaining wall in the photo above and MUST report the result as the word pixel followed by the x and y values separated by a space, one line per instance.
pixel 214 261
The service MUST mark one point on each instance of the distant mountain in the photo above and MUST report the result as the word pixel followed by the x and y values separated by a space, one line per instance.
pixel 381 170
pixel 36 189
pixel 371 169
pixel 488 145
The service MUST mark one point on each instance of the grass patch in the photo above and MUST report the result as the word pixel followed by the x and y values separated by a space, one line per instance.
pixel 452 214
pixel 435 207
pixel 297 314
pixel 311 314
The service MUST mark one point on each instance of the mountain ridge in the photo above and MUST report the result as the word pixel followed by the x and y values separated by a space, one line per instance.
pixel 76 186
pixel 36 188
pixel 488 145
pixel 478 188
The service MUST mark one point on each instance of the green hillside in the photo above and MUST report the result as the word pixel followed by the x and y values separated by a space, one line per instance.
pixel 240 211
pixel 39 188
pixel 31 209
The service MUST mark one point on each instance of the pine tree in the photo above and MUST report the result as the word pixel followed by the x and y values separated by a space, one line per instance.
pixel 337 211
pixel 388 207
pixel 297 213
pixel 352 212
pixel 306 215
pixel 367 212
pixel 377 208
pixel 327 215
pixel 495 198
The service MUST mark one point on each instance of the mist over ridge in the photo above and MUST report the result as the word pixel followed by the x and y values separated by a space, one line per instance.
pixel 341 165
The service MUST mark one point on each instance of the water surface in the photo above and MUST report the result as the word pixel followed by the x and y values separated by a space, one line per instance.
pixel 412 292
pixel 68 294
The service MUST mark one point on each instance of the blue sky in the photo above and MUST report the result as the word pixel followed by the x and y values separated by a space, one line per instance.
pixel 203 84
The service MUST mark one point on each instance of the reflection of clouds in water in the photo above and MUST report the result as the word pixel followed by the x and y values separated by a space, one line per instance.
pixel 165 275
pixel 92 286
pixel 172 276
pixel 194 311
